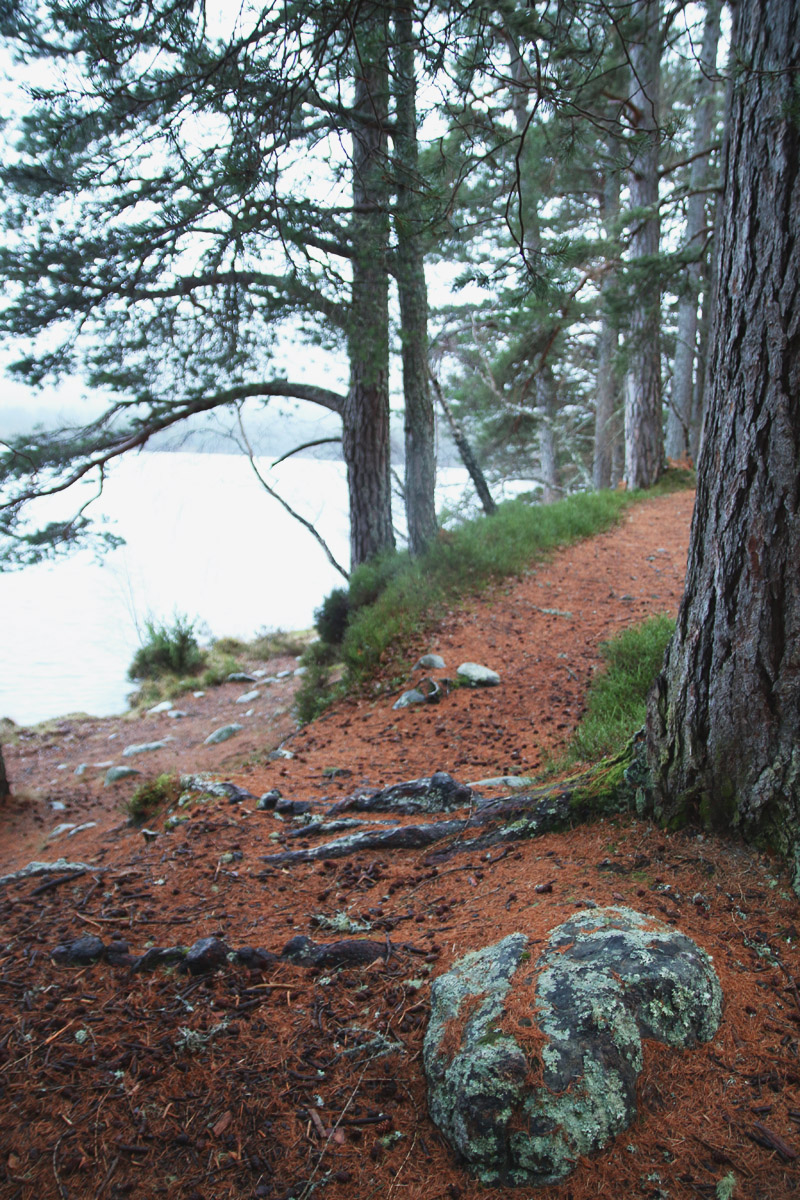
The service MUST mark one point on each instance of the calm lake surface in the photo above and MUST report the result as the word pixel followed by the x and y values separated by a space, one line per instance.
pixel 203 540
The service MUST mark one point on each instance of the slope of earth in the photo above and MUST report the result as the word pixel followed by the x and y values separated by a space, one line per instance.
pixel 264 1077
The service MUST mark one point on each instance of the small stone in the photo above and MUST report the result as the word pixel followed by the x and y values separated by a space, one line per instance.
pixel 118 954
pixel 409 698
pixel 175 820
pixel 222 734
pixel 80 828
pixel 240 677
pixel 144 748
pixel 246 697
pixel 57 805
pixel 476 675
pixel 116 773
pixel 274 755
pixel 514 782
pixel 175 714
pixel 65 827
pixel 206 955
pixel 294 808
pixel 158 956
pixel 164 706
pixel 79 953
pixel 268 800
pixel 300 671
pixel 198 695
pixel 149 835
pixel 80 769
pixel 283 674
pixel 430 662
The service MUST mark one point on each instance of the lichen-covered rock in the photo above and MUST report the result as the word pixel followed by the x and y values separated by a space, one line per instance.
pixel 215 787
pixel 607 978
pixel 432 794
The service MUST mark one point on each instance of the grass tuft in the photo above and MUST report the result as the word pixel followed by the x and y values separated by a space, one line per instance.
pixel 167 649
pixel 617 700
pixel 464 561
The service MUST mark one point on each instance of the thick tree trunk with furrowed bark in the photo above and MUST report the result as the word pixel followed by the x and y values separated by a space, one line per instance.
pixel 724 716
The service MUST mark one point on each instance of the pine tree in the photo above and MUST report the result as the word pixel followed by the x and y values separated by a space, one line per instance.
pixel 724 718
pixel 162 208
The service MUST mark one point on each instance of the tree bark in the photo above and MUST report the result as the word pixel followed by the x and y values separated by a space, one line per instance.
pixel 467 456
pixel 547 403
pixel 420 467
pixel 724 715
pixel 365 419
pixel 681 412
pixel 5 786
pixel 644 440
pixel 606 415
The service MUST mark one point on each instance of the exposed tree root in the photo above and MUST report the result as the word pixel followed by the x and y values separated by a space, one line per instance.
pixel 613 785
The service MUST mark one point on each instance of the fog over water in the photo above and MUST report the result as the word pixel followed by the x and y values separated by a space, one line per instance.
pixel 204 540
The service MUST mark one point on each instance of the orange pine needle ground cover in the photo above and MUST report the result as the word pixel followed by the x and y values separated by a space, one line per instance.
pixel 285 1081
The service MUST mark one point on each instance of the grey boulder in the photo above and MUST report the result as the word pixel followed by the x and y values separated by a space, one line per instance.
pixel 222 734
pixel 409 699
pixel 429 662
pixel 115 774
pixel 476 675
pixel 144 748
pixel 522 1114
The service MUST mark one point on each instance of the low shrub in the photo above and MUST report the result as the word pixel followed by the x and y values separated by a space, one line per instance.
pixel 332 615
pixel 151 797
pixel 271 643
pixel 320 685
pixel 168 649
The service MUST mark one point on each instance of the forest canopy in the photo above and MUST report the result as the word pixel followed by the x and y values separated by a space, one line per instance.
pixel 191 190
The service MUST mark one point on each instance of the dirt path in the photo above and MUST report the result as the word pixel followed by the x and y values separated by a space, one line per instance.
pixel 540 633
pixel 265 1078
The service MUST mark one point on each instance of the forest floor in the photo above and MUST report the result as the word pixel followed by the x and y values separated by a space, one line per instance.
pixel 266 1078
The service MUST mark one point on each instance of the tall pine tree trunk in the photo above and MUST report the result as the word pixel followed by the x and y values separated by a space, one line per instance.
pixel 681 414
pixel 724 716
pixel 607 402
pixel 365 420
pixel 420 470
pixel 644 440
pixel 547 403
